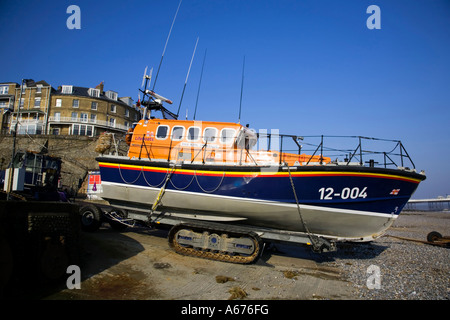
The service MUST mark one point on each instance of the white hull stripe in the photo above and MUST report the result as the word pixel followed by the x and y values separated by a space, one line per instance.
pixel 266 202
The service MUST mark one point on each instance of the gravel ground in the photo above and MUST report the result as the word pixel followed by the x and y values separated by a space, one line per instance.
pixel 138 264
pixel 407 270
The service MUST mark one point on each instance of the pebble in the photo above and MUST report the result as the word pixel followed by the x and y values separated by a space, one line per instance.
pixel 395 269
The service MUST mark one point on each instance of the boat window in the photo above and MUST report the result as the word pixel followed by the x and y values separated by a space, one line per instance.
pixel 193 133
pixel 177 133
pixel 161 132
pixel 227 135
pixel 210 134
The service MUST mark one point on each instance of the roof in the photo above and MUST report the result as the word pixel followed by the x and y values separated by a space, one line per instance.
pixel 44 83
pixel 29 83
pixel 84 92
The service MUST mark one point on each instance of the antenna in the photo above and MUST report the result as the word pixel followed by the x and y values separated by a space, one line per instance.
pixel 185 82
pixel 200 82
pixel 165 46
pixel 242 89
pixel 146 78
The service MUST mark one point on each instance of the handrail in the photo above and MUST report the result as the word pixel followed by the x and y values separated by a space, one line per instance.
pixel 396 153
pixel 398 150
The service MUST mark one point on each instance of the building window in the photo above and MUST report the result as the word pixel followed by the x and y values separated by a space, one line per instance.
pixel 84 117
pixel 94 92
pixel 30 129
pixel 55 131
pixel 112 122
pixel 22 102
pixel 82 130
pixel 57 116
pixel 93 118
pixel 37 102
pixel 23 89
pixel 66 89
pixel 111 95
pixel 38 89
pixel 74 116
pixel 4 89
pixel 113 108
pixel 127 113
pixel 58 102
pixel 75 103
pixel 94 105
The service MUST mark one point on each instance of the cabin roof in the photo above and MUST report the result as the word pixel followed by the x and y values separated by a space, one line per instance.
pixel 192 122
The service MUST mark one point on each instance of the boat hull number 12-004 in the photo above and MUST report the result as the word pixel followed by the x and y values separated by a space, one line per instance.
pixel 345 193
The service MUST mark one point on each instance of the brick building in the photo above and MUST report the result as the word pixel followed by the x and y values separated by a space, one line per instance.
pixel 7 98
pixel 38 108
pixel 90 111
pixel 31 105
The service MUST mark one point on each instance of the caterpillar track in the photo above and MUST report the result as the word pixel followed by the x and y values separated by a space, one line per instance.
pixel 215 243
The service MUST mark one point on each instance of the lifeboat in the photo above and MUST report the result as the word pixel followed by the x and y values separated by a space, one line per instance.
pixel 225 178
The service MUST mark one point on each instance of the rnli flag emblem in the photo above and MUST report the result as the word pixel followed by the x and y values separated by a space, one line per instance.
pixel 395 192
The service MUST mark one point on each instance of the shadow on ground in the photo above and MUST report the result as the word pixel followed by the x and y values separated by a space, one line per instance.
pixel 96 253
pixel 345 250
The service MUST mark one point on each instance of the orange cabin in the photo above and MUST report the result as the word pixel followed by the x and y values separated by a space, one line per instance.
pixel 205 142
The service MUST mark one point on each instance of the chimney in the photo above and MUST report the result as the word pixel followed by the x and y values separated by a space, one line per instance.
pixel 100 86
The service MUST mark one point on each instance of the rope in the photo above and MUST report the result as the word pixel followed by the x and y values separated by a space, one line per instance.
pixel 184 188
pixel 206 191
pixel 123 179
pixel 157 185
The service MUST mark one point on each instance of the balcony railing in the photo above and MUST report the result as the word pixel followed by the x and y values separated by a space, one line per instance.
pixel 96 122
pixel 27 122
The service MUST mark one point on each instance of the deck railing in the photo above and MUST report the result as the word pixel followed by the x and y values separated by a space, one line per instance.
pixel 343 150
pixel 350 150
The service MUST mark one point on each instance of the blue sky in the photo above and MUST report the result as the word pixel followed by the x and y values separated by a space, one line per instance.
pixel 312 66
